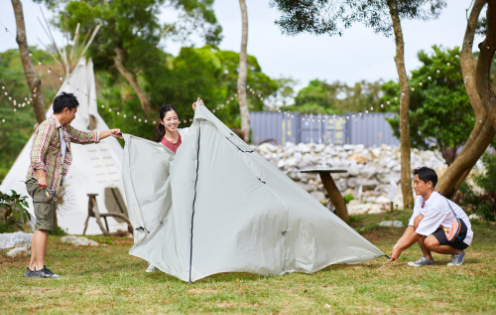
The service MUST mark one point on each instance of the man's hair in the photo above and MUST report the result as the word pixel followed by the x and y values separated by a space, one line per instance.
pixel 64 100
pixel 426 174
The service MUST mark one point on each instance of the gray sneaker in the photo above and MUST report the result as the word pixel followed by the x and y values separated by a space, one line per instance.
pixel 423 261
pixel 457 259
pixel 151 268
pixel 32 273
pixel 47 273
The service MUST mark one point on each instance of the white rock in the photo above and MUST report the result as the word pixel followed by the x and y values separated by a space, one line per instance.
pixel 302 148
pixel 16 244
pixel 78 241
pixel 375 209
pixel 382 199
pixel 320 196
pixel 394 223
pixel 281 163
pixel 474 216
pixel 354 170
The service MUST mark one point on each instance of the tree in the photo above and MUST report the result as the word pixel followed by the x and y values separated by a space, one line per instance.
pixel 483 131
pixel 383 16
pixel 33 82
pixel 285 92
pixel 243 69
pixel 130 32
pixel 440 113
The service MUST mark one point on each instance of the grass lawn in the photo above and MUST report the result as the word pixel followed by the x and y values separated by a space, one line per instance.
pixel 106 279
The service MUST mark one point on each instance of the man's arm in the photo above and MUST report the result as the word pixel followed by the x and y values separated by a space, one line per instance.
pixel 408 232
pixel 111 132
pixel 82 137
pixel 408 241
pixel 38 153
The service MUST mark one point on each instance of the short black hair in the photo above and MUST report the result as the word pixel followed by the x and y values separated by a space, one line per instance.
pixel 426 174
pixel 64 100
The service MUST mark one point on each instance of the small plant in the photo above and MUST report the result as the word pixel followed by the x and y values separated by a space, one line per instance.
pixel 348 198
pixel 13 211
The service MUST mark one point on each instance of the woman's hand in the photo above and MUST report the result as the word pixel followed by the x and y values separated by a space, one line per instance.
pixel 194 104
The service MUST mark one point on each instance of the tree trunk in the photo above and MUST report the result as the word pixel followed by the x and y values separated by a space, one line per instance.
pixel 456 173
pixel 399 59
pixel 467 62
pixel 33 82
pixel 483 70
pixel 242 74
pixel 131 78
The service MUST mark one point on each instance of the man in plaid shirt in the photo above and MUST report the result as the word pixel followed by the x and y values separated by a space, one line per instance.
pixel 51 158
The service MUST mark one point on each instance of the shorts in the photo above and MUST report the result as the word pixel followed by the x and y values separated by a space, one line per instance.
pixel 43 211
pixel 440 235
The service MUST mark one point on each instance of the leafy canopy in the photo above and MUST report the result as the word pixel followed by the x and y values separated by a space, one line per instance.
pixel 134 27
pixel 440 113
pixel 331 17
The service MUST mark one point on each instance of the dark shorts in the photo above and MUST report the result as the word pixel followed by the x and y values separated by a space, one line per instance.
pixel 440 235
pixel 43 211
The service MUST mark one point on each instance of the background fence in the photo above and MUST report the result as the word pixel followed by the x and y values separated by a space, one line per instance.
pixel 367 129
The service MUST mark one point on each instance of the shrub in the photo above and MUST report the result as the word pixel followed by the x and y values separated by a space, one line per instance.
pixel 13 212
pixel 487 181
pixel 348 198
pixel 483 203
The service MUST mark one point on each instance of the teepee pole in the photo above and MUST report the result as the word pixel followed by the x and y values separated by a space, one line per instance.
pixel 89 42
pixel 76 38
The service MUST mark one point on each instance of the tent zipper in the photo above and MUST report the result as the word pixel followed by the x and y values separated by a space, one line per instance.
pixel 194 202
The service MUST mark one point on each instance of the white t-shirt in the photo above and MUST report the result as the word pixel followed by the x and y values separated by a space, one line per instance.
pixel 437 213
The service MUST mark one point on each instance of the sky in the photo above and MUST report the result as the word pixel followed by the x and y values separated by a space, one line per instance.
pixel 358 55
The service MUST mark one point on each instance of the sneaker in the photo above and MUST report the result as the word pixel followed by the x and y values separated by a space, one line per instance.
pixel 423 261
pixel 151 268
pixel 457 259
pixel 47 273
pixel 32 274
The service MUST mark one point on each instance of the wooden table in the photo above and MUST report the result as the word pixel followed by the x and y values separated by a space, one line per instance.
pixel 331 188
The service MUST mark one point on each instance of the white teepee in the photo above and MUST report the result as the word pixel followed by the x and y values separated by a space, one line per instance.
pixel 94 168
pixel 218 206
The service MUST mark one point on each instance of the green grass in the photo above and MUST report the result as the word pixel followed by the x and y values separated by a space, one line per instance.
pixel 106 279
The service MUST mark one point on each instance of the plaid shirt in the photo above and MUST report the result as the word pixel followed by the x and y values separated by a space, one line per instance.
pixel 46 153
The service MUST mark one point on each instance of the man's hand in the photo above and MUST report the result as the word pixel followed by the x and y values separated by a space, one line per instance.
pixel 395 254
pixel 194 105
pixel 111 132
pixel 116 133
pixel 42 180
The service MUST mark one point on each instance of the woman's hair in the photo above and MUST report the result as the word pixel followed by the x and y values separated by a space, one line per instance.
pixel 160 130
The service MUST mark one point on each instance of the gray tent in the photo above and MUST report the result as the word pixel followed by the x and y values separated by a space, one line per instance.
pixel 218 206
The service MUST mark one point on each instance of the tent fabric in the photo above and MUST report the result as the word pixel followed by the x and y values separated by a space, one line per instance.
pixel 94 168
pixel 218 206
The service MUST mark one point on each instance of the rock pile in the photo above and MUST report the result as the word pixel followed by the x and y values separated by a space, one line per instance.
pixel 369 176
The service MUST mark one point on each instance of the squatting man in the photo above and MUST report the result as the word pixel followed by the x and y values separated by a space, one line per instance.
pixel 432 215
pixel 51 157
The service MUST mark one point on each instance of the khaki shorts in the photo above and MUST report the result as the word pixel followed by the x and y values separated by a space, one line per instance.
pixel 44 211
